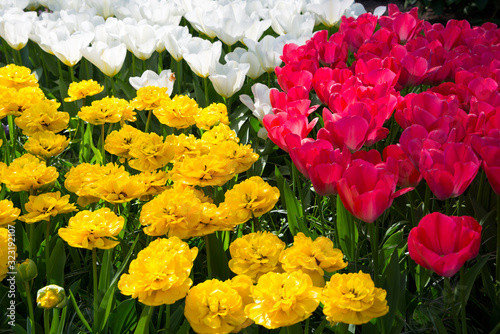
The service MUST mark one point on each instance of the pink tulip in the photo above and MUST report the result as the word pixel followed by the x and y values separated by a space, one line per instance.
pixel 367 190
pixel 443 244
pixel 409 176
pixel 405 25
pixel 281 124
pixel 358 30
pixel 450 170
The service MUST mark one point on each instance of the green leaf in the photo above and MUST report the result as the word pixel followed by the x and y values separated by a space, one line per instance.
pixel 347 231
pixel 216 256
pixel 393 288
pixel 143 323
pixel 472 273
pixel 184 328
pixel 57 262
pixel 123 317
pixel 436 321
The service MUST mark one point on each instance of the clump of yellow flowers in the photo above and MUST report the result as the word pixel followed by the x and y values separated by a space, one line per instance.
pixel 160 274
pixel 82 89
pixel 353 299
pixel 28 173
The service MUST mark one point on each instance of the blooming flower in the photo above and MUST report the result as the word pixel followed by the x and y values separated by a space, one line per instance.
pixel 120 141
pixel 151 152
pixel 17 77
pixel 202 55
pixel 283 299
pixel 443 244
pixel 150 97
pixel 108 58
pixel 165 79
pixel 51 296
pixel 178 112
pixel 353 299
pixel 312 257
pixel 160 274
pixel 43 116
pixel 28 173
pixel 228 79
pixel 46 205
pixel 8 213
pixel 252 197
pixel 106 110
pixel 212 115
pixel 46 144
pixel 214 307
pixel 93 229
pixel 15 102
pixel 255 254
pixel 82 89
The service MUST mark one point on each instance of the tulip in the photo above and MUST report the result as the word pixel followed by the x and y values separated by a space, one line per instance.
pixel 329 12
pixel 443 243
pixel 140 39
pixel 174 38
pixel 450 170
pixel 357 31
pixel 51 296
pixel 68 49
pixel 260 106
pixel 367 190
pixel 267 50
pixel 108 58
pixel 202 56
pixel 241 55
pixel 27 271
pixel 228 78
pixel 15 27
pixel 149 78
pixel 409 176
pixel 281 124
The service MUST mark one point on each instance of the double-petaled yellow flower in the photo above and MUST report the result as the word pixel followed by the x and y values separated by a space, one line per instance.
pixel 283 299
pixel 28 173
pixel 214 306
pixel 106 110
pixel 51 296
pixel 154 182
pixel 82 89
pixel 93 229
pixel 179 112
pixel 17 77
pixel 46 205
pixel 15 102
pixel 160 274
pixel 149 97
pixel 256 254
pixel 312 257
pixel 5 246
pixel 151 152
pixel 253 196
pixel 353 299
pixel 119 142
pixel 43 116
pixel 8 213
pixel 214 114
pixel 46 144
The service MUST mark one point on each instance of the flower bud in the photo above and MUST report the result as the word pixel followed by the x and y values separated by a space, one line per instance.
pixel 51 296
pixel 27 271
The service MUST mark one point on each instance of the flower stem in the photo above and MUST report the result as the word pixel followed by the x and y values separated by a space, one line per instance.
pixel 450 300
pixel 72 74
pixel 205 85
pixel 373 229
pixel 256 224
pixel 95 283
pixel 167 321
pixel 209 262
pixel 179 76
pixel 47 250
pixel 46 321
pixel 462 300
pixel 32 241
pixel 30 305
pixel 103 152
pixel 148 121
pixel 160 62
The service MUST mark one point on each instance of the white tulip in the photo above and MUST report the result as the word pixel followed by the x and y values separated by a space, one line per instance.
pixel 267 51
pixel 260 106
pixel 202 55
pixel 140 39
pixel 228 78
pixel 198 18
pixel 241 55
pixel 174 38
pixel 108 58
pixel 149 78
pixel 68 50
pixel 329 12
pixel 15 27
pixel 21 4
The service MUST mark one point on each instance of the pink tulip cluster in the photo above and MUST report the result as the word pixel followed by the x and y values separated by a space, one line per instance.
pixel 362 76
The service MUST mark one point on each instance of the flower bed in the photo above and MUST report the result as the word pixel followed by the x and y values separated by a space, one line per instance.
pixel 299 167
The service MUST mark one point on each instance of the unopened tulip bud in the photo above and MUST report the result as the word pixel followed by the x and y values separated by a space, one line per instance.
pixel 27 271
pixel 51 296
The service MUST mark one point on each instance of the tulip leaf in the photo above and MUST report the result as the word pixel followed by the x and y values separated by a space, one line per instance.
pixel 184 328
pixel 436 321
pixel 57 262
pixel 347 231
pixel 471 275
pixel 394 289
pixel 216 256
pixel 123 317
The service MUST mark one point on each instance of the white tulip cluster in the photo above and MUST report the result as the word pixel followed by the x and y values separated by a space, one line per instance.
pixel 102 31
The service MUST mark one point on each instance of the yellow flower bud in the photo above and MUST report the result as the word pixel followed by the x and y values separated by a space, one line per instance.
pixel 51 296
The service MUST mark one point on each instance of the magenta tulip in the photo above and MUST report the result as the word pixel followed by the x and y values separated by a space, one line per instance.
pixel 443 244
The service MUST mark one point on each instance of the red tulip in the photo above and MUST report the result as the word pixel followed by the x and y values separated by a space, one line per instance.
pixel 281 124
pixel 409 176
pixel 442 243
pixel 358 30
pixel 367 190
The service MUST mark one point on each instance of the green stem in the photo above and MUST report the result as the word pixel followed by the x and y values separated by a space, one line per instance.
pixel 47 250
pixel 342 328
pixel 333 204
pixel 481 185
pixel 179 76
pixel 133 65
pixel 160 62
pixel 13 136
pixel 55 318
pixel 103 152
pixel 19 58
pixel 205 86
pixel 30 305
pixel 412 208
pixel 46 321
pixel 78 312
pixel 255 224
pixel 427 200
pixel 462 300
pixel 167 314
pixel 96 285
pixel 32 242
pixel 209 262
pixel 450 300
pixel 6 52
pixel 373 229
pixel 148 121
